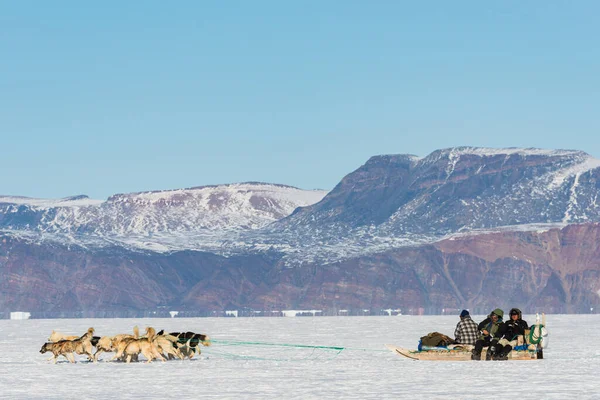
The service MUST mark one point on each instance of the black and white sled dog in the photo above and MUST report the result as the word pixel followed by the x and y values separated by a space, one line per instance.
pixel 189 342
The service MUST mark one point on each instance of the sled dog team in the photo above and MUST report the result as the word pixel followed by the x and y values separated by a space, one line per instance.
pixel 151 345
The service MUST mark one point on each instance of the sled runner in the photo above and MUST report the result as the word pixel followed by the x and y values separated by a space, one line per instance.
pixel 459 353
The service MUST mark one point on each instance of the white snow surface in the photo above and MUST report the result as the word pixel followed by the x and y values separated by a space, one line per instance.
pixel 365 369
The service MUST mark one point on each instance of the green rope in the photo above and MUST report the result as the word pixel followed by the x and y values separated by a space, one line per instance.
pixel 537 339
pixel 225 354
pixel 311 355
pixel 241 343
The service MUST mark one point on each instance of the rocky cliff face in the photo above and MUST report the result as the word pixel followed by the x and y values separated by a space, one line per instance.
pixel 557 270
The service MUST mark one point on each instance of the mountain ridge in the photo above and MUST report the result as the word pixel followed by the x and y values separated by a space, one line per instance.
pixel 385 233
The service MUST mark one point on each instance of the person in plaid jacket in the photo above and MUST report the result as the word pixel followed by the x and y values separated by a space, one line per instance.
pixel 466 331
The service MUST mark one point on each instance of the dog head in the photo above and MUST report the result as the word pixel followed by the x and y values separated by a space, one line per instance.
pixel 88 335
pixel 44 348
pixel 205 340
pixel 201 338
pixel 105 342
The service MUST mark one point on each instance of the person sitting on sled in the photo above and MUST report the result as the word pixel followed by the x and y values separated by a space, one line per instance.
pixel 508 336
pixel 466 331
pixel 488 328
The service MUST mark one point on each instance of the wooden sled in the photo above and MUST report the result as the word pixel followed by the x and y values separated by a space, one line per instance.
pixel 457 354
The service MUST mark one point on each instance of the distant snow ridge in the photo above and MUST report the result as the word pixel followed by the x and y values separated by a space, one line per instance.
pixel 488 152
pixel 224 207
pixel 73 201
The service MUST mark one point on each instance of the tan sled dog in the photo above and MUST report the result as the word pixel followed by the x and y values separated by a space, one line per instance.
pixel 117 339
pixel 105 344
pixel 83 345
pixel 121 337
pixel 166 345
pixel 58 336
pixel 144 345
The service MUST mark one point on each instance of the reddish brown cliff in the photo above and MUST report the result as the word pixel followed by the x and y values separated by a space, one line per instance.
pixel 555 271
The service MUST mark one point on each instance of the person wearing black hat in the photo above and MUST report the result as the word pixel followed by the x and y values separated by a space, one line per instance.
pixel 466 331
pixel 508 336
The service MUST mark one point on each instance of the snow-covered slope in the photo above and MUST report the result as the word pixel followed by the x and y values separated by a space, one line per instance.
pixel 399 200
pixel 391 201
pixel 162 220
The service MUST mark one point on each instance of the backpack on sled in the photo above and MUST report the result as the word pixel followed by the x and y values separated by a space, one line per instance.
pixel 436 339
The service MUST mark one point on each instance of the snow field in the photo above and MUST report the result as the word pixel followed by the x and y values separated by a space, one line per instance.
pixel 363 370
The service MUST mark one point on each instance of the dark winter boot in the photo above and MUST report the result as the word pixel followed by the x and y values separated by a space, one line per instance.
pixel 475 356
pixel 488 355
pixel 502 352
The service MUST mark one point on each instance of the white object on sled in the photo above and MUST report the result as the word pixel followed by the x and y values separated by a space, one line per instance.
pixel 539 331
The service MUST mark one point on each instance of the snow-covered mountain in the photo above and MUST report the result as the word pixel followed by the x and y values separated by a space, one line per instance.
pixel 145 219
pixel 398 200
pixel 230 207
pixel 445 230
pixel 391 201
pixel 462 189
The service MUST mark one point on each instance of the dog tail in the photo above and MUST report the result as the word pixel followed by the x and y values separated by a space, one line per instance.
pixel 150 333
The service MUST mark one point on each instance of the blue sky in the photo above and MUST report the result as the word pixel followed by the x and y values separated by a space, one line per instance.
pixel 115 97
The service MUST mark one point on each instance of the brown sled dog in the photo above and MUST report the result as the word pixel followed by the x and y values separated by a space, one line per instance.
pixel 61 348
pixel 66 348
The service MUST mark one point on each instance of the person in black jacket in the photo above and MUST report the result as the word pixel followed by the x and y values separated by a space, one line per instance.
pixel 507 337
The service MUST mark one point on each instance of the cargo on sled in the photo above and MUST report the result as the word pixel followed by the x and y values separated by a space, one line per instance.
pixel 536 339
